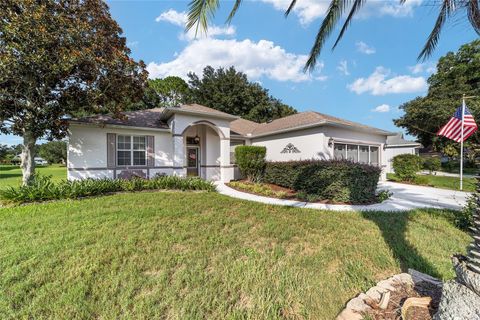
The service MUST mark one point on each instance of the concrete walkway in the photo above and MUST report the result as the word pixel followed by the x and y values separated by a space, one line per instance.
pixel 446 174
pixel 405 197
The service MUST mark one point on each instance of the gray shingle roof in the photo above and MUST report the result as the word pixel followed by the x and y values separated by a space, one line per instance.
pixel 150 118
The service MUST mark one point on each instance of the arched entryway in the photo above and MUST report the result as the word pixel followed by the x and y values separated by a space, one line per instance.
pixel 203 149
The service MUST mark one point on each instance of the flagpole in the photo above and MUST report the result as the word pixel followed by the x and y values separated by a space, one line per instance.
pixel 461 144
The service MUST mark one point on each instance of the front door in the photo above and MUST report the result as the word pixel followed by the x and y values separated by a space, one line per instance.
pixel 192 161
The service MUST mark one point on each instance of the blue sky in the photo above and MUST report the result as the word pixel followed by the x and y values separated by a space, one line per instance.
pixel 372 71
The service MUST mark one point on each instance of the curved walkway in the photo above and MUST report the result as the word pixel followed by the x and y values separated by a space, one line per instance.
pixel 405 197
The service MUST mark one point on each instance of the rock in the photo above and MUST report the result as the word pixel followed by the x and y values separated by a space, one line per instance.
pixel 404 278
pixel 384 301
pixel 458 302
pixel 386 284
pixel 418 277
pixel 374 293
pixel 464 276
pixel 358 304
pixel 348 314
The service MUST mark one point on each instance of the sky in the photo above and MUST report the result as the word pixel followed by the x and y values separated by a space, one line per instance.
pixel 366 78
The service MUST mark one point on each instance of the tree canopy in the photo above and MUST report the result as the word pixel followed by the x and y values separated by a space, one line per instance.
pixel 57 59
pixel 53 151
pixel 230 91
pixel 457 73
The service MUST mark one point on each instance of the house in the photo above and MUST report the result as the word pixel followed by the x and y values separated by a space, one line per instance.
pixel 194 140
pixel 38 160
pixel 396 144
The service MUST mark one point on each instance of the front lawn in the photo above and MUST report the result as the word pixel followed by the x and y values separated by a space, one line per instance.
pixel 206 256
pixel 12 175
pixel 452 183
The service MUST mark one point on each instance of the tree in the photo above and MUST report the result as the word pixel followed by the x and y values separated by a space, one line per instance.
pixel 58 59
pixel 230 91
pixel 457 74
pixel 3 151
pixel 166 92
pixel 172 90
pixel 53 151
pixel 201 11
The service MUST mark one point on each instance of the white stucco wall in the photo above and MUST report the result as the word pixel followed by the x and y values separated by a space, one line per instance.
pixel 313 143
pixel 87 151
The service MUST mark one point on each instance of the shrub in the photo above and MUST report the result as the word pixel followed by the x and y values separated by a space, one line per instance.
pixel 432 164
pixel 406 166
pixel 251 161
pixel 337 181
pixel 42 188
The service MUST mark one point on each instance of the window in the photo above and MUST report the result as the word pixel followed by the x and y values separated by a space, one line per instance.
pixel 356 153
pixel 233 145
pixel 131 150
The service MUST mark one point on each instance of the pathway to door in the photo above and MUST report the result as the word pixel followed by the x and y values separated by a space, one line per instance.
pixel 405 197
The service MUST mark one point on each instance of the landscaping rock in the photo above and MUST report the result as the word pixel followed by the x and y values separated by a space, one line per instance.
pixel 460 297
pixel 458 302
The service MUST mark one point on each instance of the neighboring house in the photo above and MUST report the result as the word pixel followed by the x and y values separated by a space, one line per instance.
pixel 38 160
pixel 195 140
pixel 396 145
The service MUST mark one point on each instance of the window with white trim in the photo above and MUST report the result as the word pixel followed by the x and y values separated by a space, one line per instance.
pixel 131 150
pixel 357 153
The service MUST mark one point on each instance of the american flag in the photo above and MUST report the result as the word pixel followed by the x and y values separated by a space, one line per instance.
pixel 453 128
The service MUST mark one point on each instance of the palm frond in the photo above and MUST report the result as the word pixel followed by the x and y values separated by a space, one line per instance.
pixel 234 11
pixel 335 11
pixel 473 13
pixel 200 11
pixel 290 7
pixel 447 7
pixel 355 8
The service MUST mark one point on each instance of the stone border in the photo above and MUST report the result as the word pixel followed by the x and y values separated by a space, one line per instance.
pixel 361 303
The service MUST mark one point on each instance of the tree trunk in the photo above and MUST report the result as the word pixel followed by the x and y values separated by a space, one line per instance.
pixel 474 249
pixel 28 154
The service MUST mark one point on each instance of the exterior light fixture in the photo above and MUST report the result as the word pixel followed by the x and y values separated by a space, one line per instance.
pixel 196 139
pixel 330 142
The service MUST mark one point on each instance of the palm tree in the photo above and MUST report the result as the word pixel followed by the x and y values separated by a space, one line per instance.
pixel 200 11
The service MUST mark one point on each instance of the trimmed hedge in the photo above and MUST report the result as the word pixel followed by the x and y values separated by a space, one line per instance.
pixel 251 161
pixel 406 166
pixel 334 180
pixel 42 188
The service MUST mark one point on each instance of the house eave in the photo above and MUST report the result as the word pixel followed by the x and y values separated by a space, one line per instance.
pixel 117 126
pixel 170 111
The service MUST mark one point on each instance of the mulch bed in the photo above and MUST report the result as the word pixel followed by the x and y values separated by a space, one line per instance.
pixel 398 297
pixel 291 194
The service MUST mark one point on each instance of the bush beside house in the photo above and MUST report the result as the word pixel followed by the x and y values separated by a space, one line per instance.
pixel 337 181
pixel 406 166
pixel 251 161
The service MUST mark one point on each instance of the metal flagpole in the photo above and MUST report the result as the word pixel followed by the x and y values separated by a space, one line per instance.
pixel 461 144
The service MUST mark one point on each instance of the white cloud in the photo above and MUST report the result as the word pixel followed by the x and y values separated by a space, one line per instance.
pixel 395 9
pixel 180 19
pixel 343 67
pixel 377 83
pixel 310 10
pixel 306 10
pixel 256 59
pixel 364 48
pixel 132 44
pixel 173 17
pixel 382 108
pixel 427 67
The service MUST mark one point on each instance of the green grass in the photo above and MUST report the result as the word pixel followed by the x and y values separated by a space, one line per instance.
pixel 180 255
pixel 12 175
pixel 452 183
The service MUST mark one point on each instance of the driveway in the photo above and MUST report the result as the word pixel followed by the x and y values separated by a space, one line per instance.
pixel 405 197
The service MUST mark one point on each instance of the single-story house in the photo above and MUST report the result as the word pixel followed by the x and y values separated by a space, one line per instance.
pixel 194 140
